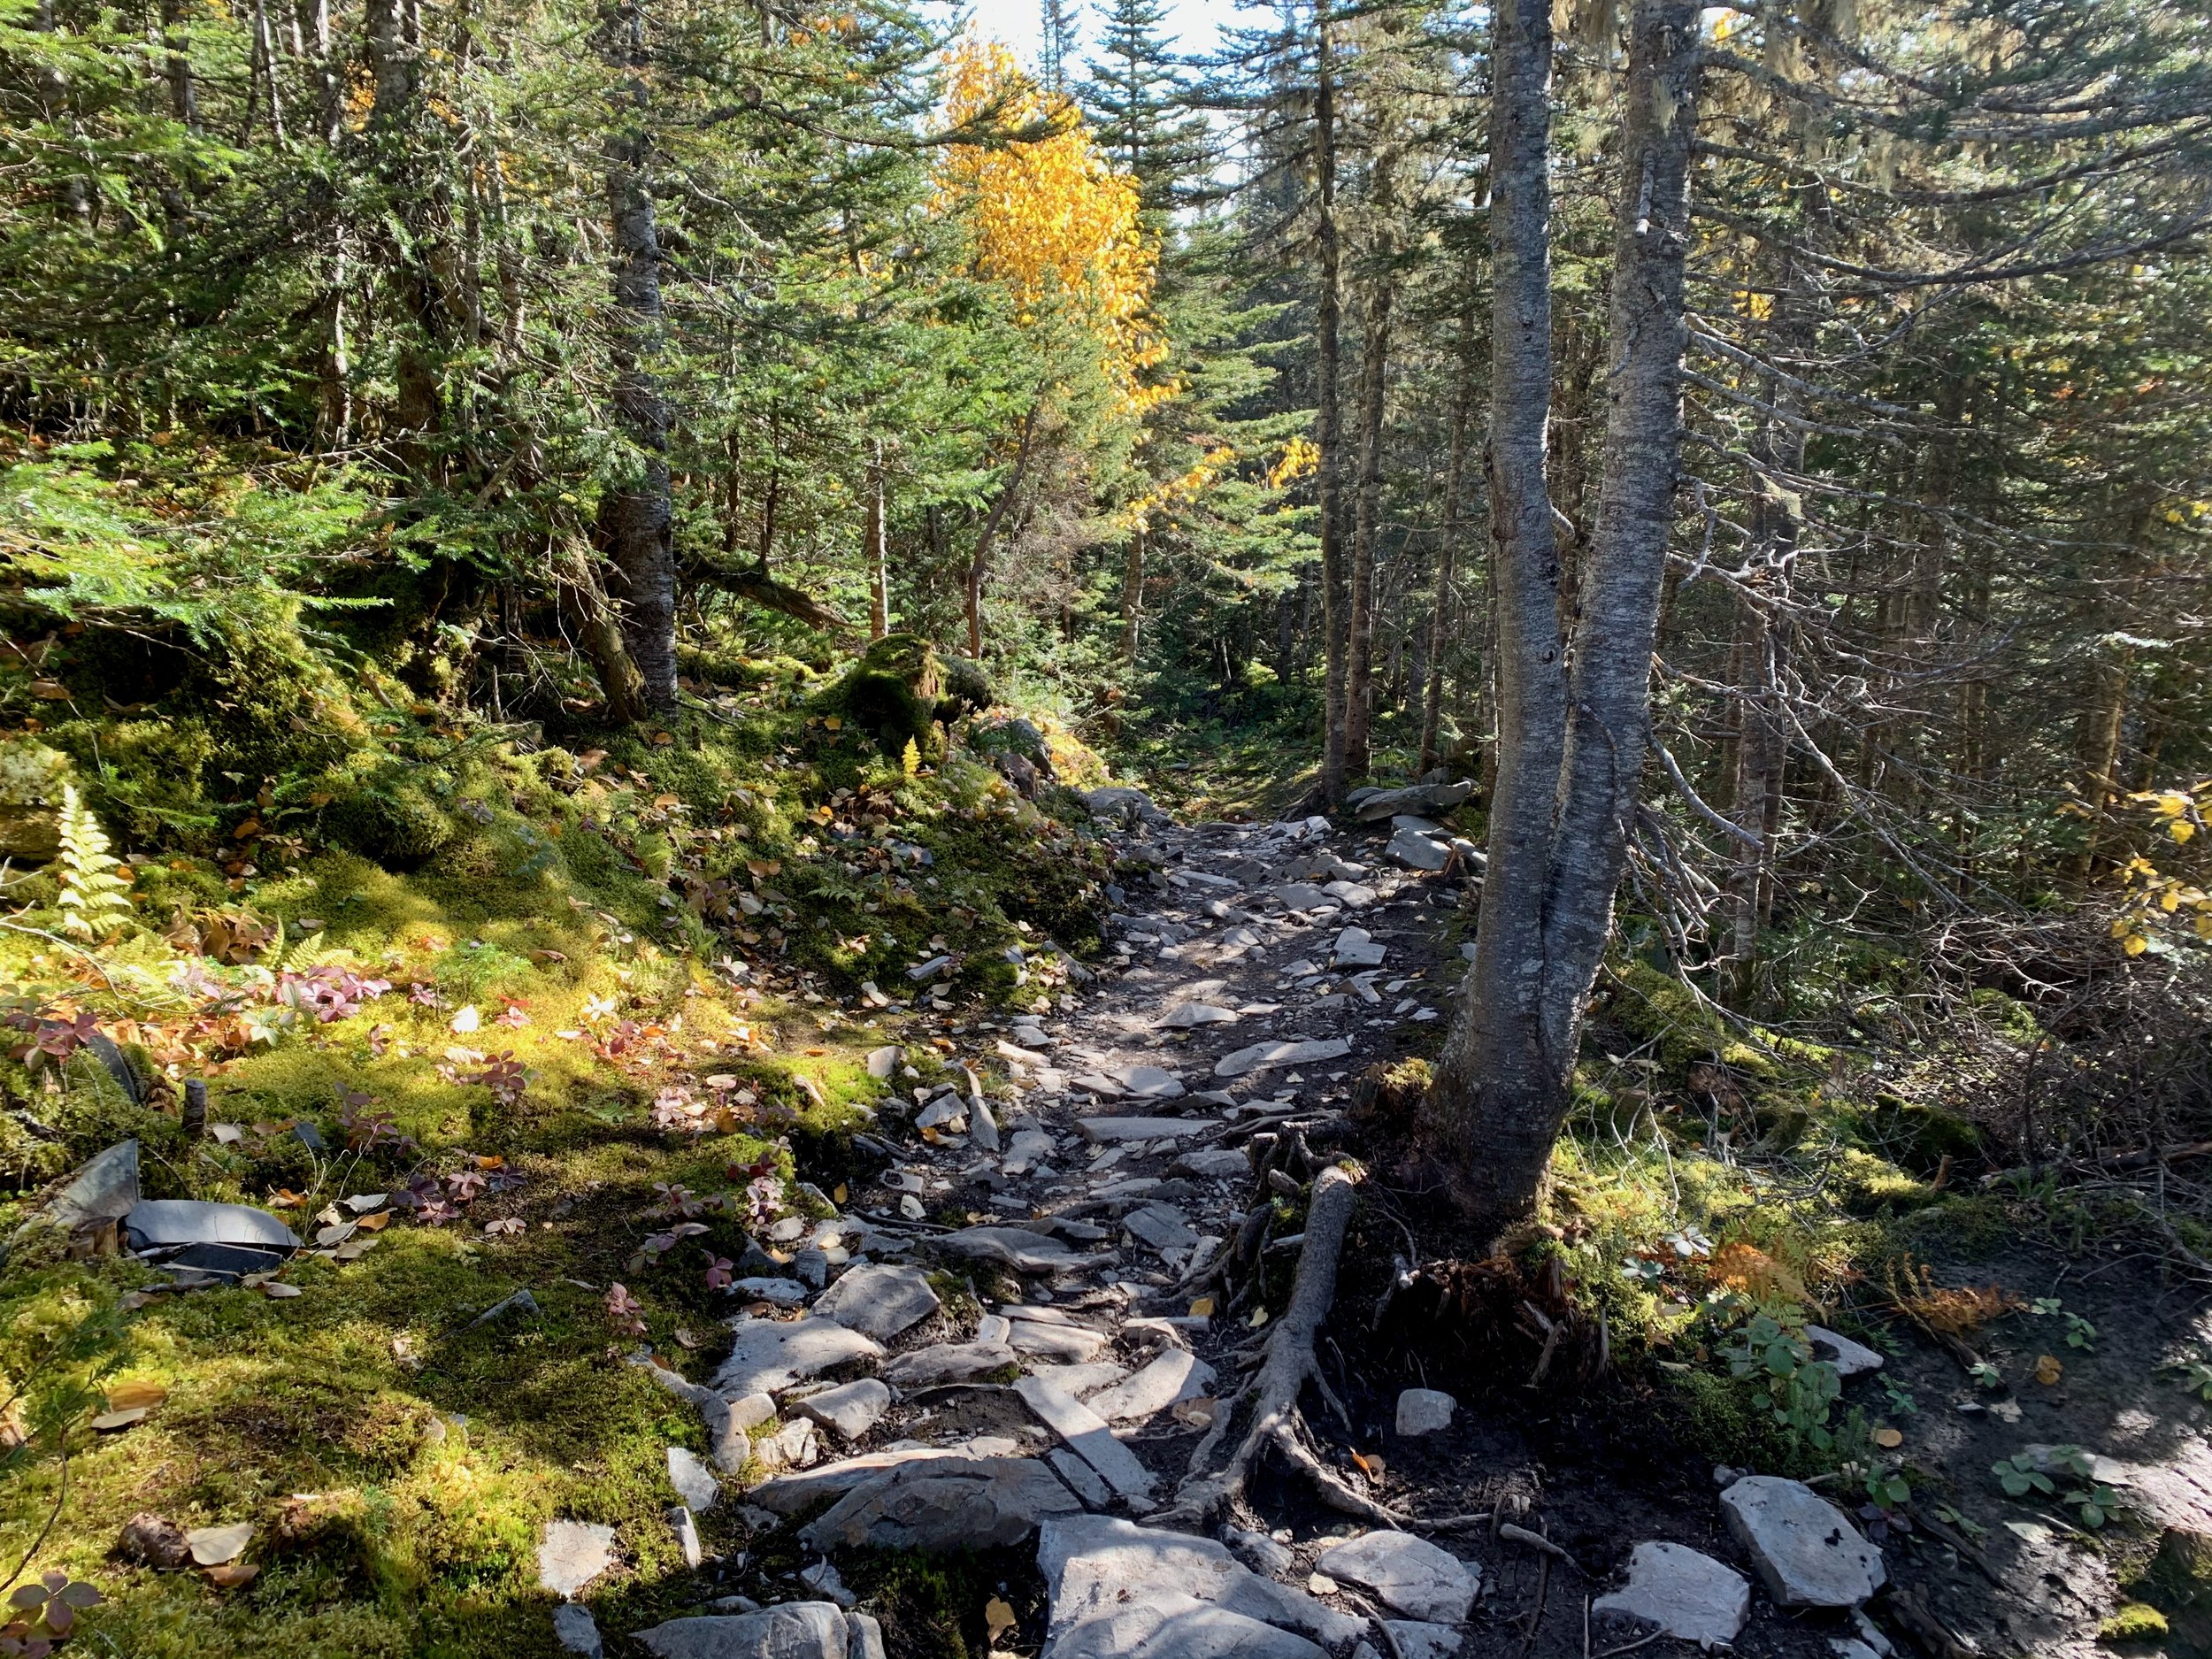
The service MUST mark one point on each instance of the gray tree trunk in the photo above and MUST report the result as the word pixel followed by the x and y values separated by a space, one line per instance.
pixel 636 513
pixel 1359 658
pixel 1571 740
pixel 1327 424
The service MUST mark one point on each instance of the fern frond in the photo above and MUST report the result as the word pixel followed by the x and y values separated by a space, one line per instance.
pixel 92 894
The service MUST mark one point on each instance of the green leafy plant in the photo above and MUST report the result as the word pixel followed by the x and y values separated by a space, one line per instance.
pixel 1799 1389
pixel 2192 1374
pixel 2019 1475
pixel 92 894
pixel 1985 1375
pixel 2030 1471
pixel 2080 1332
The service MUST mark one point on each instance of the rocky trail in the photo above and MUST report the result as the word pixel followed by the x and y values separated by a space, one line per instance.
pixel 1105 1366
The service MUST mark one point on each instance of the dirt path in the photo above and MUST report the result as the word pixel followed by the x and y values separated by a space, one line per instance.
pixel 1020 1287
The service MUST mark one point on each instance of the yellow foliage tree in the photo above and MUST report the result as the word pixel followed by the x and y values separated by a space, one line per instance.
pixel 1050 217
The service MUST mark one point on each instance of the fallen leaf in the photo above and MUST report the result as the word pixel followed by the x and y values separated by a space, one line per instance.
pixel 213 1546
pixel 232 1577
pixel 839 1193
pixel 684 1339
pixel 467 1020
pixel 376 1222
pixel 276 1290
pixel 1202 1307
pixel 1258 1318
pixel 1196 1414
pixel 2048 1371
pixel 50 690
pixel 998 1616
pixel 124 1396
pixel 108 1422
pixel 1320 1584
pixel 1888 1438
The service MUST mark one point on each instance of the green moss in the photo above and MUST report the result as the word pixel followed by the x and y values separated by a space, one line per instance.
pixel 392 818
pixel 1714 1415
pixel 2137 1621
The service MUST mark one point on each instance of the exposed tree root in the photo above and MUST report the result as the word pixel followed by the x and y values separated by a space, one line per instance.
pixel 1289 1360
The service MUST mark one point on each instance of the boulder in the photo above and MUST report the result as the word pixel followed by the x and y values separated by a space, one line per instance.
pixel 943 1504
pixel 1417 1639
pixel 1121 804
pixel 796 1630
pixel 1689 1596
pixel 1805 1550
pixel 1422 798
pixel 772 1355
pixel 1409 1574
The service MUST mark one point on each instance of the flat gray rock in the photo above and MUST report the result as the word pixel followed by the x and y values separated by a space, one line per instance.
pixel 1850 1359
pixel 883 1062
pixel 948 1363
pixel 771 1354
pixel 1097 1565
pixel 1167 1625
pixel 851 1410
pixel 879 1300
pixel 1417 1639
pixel 1213 1163
pixel 1018 1247
pixel 944 1503
pixel 1066 1344
pixel 1409 1574
pixel 796 1630
pixel 686 1526
pixel 1160 1225
pixel 1185 1016
pixel 1416 851
pixel 1081 1381
pixel 1081 1478
pixel 789 1494
pixel 577 1631
pixel 1262 1055
pixel 1352 896
pixel 865 1637
pixel 694 1481
pixel 1259 1552
pixel 1026 1151
pixel 1356 947
pixel 106 1189
pixel 573 1554
pixel 1101 1131
pixel 1088 1436
pixel 1150 1082
pixel 1806 1552
pixel 1176 1374
pixel 1299 895
pixel 785 1293
pixel 1675 1589
pixel 1425 1411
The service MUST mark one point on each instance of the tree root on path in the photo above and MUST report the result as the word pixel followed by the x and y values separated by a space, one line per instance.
pixel 1289 1361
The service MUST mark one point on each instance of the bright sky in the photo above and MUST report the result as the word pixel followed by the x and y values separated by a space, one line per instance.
pixel 1191 24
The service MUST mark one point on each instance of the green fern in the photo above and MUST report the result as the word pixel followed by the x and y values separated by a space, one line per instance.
pixel 92 894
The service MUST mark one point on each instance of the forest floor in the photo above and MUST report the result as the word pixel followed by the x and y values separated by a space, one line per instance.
pixel 402 1464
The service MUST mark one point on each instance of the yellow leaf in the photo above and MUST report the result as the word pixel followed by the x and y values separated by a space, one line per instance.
pixel 2181 829
pixel 1258 1318
pixel 1888 1439
pixel 1202 1309
pixel 998 1616
pixel 2135 944
pixel 2048 1371
pixel 124 1396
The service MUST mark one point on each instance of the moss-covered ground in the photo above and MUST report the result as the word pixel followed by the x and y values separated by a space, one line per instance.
pixel 564 997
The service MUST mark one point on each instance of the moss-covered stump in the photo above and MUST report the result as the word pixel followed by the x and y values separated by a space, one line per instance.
pixel 903 687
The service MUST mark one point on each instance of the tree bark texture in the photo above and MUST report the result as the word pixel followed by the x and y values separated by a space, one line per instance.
pixel 636 512
pixel 878 548
pixel 1327 423
pixel 1359 661
pixel 1571 739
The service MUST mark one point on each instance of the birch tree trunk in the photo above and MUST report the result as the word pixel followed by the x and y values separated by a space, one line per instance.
pixel 636 512
pixel 878 548
pixel 1571 740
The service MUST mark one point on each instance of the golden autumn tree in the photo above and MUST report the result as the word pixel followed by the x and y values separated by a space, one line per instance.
pixel 1049 218
pixel 1053 224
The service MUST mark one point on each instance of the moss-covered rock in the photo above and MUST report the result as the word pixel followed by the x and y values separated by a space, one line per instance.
pixel 902 688
pixel 391 818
